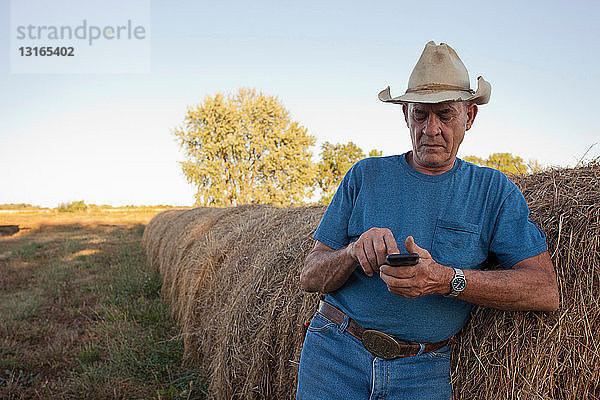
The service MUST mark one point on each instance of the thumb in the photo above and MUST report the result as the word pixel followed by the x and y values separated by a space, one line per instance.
pixel 412 247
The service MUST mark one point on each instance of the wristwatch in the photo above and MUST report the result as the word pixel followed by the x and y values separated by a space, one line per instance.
pixel 458 283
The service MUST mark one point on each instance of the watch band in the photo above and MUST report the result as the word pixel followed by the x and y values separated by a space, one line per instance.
pixel 458 283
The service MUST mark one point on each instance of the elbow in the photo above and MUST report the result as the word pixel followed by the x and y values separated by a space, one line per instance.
pixel 309 282
pixel 552 300
pixel 306 283
pixel 551 305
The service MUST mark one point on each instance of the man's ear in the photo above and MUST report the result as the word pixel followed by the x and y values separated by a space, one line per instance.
pixel 405 111
pixel 471 114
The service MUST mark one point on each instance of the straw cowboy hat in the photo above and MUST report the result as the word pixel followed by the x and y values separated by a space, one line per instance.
pixel 440 76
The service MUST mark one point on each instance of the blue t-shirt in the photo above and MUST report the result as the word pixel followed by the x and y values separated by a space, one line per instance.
pixel 460 217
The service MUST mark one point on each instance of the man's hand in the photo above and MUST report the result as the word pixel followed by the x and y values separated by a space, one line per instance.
pixel 427 277
pixel 372 247
pixel 326 269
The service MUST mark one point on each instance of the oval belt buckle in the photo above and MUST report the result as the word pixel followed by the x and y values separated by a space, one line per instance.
pixel 381 345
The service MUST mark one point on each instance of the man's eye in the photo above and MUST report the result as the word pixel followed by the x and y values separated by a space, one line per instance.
pixel 419 116
pixel 445 118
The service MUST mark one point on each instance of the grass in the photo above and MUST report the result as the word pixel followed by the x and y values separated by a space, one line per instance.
pixel 82 318
pixel 28 251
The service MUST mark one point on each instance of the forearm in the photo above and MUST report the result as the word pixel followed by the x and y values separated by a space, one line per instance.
pixel 512 289
pixel 529 285
pixel 326 270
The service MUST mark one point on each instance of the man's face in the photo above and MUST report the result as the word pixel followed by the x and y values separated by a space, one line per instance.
pixel 436 131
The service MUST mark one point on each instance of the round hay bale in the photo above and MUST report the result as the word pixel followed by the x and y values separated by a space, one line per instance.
pixel 530 355
pixel 232 276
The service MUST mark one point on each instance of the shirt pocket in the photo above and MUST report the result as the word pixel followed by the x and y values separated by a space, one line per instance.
pixel 457 244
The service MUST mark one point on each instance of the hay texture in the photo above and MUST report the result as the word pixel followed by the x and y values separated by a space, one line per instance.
pixel 232 278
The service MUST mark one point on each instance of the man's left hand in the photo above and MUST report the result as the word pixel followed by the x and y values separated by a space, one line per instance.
pixel 427 277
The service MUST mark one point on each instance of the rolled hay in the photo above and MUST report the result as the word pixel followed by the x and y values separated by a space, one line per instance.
pixel 168 239
pixel 517 355
pixel 237 294
pixel 232 276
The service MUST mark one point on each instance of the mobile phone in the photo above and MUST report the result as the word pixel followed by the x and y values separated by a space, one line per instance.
pixel 398 260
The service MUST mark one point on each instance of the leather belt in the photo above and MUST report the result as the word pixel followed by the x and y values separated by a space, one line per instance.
pixel 378 343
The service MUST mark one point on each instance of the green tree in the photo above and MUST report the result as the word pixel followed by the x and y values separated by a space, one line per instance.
pixel 336 160
pixel 375 153
pixel 504 162
pixel 245 149
pixel 74 206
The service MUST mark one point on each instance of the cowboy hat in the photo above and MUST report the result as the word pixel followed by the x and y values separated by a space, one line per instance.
pixel 440 76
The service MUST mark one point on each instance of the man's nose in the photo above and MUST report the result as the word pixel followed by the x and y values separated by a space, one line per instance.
pixel 433 125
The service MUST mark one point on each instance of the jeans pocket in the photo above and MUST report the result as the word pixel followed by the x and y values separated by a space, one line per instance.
pixel 319 323
pixel 443 353
pixel 435 354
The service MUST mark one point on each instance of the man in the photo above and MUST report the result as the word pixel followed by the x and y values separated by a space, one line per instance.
pixel 382 331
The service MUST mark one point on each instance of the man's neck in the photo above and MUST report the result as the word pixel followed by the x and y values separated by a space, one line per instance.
pixel 428 170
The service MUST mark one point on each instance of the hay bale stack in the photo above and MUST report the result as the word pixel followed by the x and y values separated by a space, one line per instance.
pixel 231 275
pixel 515 355
pixel 233 284
pixel 168 239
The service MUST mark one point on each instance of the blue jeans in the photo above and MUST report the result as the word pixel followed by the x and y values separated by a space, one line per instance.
pixel 335 365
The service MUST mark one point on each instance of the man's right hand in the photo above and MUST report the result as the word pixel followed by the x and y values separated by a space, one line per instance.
pixel 326 269
pixel 372 247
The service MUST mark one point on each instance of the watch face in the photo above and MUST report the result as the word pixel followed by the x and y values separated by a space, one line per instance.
pixel 458 284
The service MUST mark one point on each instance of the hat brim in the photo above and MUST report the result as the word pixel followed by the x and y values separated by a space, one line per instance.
pixel 481 96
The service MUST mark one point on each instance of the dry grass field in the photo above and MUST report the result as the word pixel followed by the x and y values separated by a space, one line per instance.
pixel 81 316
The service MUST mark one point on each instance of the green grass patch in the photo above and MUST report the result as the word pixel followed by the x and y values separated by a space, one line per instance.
pixel 88 355
pixel 140 230
pixel 56 280
pixel 18 378
pixel 72 246
pixel 19 306
pixel 29 250
pixel 9 362
pixel 138 337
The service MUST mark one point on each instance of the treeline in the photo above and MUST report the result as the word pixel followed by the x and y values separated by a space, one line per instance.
pixel 507 163
pixel 245 149
pixel 81 206
pixel 77 206
pixel 20 206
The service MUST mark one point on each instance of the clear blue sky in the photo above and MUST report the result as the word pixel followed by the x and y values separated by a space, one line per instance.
pixel 107 138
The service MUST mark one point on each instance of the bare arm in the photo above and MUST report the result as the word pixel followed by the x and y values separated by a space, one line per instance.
pixel 528 285
pixel 326 269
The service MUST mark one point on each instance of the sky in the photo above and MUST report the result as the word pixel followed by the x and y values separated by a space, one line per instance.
pixel 107 137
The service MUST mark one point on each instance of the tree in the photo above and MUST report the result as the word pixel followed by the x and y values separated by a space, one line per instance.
pixel 375 153
pixel 74 206
pixel 504 162
pixel 245 149
pixel 336 160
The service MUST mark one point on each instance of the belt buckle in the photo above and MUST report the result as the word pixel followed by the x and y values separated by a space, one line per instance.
pixel 381 344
